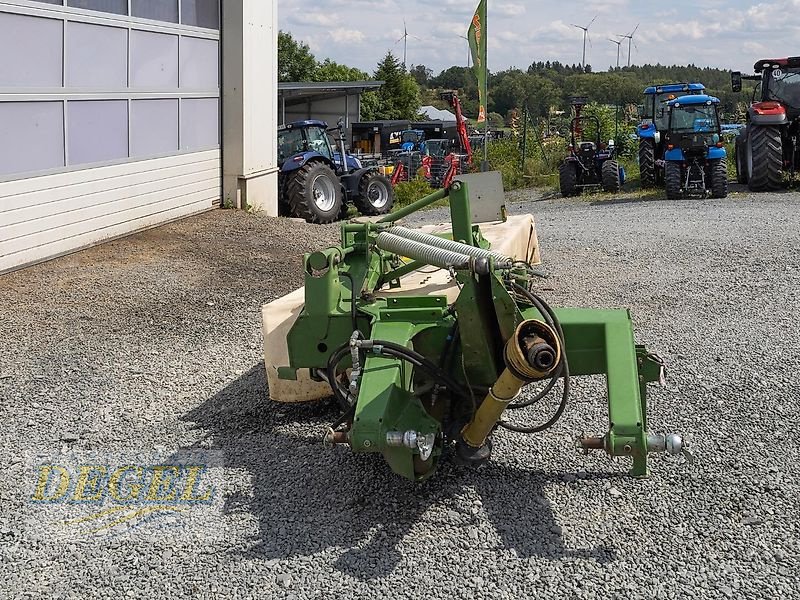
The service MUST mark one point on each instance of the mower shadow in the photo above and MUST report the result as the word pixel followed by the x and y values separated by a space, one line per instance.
pixel 308 499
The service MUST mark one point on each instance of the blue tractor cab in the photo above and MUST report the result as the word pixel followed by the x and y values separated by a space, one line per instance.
pixel 695 160
pixel 316 183
pixel 412 140
pixel 653 126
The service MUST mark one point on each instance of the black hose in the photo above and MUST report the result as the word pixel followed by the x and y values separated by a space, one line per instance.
pixel 552 320
pixel 450 344
pixel 347 415
pixel 427 365
pixel 333 362
pixel 550 317
pixel 396 351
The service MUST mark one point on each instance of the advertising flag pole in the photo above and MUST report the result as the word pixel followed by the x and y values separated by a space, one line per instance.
pixel 485 164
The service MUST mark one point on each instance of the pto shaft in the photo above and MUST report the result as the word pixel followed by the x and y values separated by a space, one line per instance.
pixel 533 353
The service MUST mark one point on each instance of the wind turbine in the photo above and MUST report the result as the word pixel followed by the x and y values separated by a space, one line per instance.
pixel 585 37
pixel 619 45
pixel 629 37
pixel 404 39
pixel 469 50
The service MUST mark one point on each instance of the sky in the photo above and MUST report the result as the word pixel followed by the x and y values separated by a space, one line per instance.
pixel 730 34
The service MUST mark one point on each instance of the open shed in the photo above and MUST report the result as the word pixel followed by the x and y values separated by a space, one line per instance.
pixel 326 101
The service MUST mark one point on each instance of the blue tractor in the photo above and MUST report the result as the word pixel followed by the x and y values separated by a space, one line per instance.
pixel 653 126
pixel 695 161
pixel 413 140
pixel 316 182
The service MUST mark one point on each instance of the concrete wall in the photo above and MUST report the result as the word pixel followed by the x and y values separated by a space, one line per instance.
pixel 249 104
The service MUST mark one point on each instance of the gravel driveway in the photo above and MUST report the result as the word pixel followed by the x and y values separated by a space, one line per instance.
pixel 153 342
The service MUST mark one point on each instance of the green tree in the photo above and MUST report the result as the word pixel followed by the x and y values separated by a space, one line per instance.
pixel 454 78
pixel 329 70
pixel 496 120
pixel 399 96
pixel 421 74
pixel 370 106
pixel 295 60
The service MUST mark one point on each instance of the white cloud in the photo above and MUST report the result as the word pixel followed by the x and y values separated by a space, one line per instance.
pixel 721 33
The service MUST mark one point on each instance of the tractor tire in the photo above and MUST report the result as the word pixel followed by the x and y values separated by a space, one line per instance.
pixel 740 158
pixel 611 178
pixel 375 195
pixel 719 178
pixel 764 158
pixel 647 163
pixel 568 180
pixel 672 180
pixel 314 193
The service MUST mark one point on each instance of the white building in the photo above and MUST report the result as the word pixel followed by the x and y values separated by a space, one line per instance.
pixel 118 115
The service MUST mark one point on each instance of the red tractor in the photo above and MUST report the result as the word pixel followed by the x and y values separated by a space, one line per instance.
pixel 768 146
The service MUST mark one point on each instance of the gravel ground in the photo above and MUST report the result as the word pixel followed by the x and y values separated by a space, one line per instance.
pixel 153 342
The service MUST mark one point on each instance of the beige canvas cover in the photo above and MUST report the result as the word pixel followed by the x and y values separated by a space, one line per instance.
pixel 515 238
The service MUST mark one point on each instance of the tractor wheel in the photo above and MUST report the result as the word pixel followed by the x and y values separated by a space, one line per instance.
pixel 568 179
pixel 315 194
pixel 375 195
pixel 611 178
pixel 740 156
pixel 719 178
pixel 764 158
pixel 647 163
pixel 672 180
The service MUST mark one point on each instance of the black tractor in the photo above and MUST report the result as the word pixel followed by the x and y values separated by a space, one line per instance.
pixel 317 183
pixel 589 164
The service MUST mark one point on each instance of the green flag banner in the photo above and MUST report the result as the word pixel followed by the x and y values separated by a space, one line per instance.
pixel 477 44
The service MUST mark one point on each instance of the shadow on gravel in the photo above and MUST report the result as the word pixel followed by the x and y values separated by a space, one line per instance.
pixel 308 499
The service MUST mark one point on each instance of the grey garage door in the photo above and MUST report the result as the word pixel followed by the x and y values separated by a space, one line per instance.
pixel 109 120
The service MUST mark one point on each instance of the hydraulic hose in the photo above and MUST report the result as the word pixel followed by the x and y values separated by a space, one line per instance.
pixel 551 318
pixel 427 365
pixel 333 362
pixel 397 351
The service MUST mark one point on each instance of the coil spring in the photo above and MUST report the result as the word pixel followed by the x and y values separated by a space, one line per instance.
pixel 500 260
pixel 437 257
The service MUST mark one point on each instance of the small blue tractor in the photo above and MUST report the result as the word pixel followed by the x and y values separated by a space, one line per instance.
pixel 589 164
pixel 316 182
pixel 653 126
pixel 695 159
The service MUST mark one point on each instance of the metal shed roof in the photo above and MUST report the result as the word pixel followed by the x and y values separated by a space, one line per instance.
pixel 313 89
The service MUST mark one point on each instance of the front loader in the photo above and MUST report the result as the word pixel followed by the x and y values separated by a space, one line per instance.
pixel 420 377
